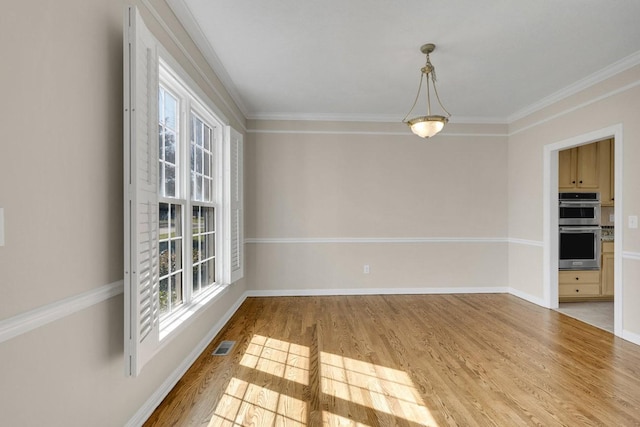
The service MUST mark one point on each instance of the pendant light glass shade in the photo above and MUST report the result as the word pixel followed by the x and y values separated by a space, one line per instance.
pixel 428 125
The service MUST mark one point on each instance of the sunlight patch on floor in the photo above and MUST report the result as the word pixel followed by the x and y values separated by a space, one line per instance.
pixel 246 404
pixel 279 358
pixel 384 389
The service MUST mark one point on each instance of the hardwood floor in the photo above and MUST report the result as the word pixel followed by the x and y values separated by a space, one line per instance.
pixel 409 360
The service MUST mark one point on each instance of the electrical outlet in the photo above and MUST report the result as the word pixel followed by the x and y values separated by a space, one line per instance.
pixel 612 218
pixel 366 269
pixel 633 221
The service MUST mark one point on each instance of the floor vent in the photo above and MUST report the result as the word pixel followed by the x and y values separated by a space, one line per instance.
pixel 223 348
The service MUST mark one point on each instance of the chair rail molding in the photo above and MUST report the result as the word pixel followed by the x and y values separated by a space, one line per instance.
pixel 32 319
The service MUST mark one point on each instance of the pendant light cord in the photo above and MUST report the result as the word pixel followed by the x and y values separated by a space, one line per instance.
pixel 426 70
pixel 435 90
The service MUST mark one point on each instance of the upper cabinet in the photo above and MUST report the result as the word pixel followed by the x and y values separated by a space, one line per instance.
pixel 566 169
pixel 607 183
pixel 579 168
pixel 588 168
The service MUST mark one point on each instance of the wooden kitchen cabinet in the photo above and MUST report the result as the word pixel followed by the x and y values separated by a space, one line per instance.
pixel 578 284
pixel 585 285
pixel 566 170
pixel 607 269
pixel 579 168
pixel 607 172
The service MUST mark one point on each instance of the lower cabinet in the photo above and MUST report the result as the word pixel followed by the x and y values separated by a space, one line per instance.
pixel 578 284
pixel 583 285
pixel 607 269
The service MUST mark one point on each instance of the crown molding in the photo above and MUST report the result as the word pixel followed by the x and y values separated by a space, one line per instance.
pixel 477 120
pixel 593 79
pixel 407 133
pixel 375 118
pixel 576 107
pixel 185 16
pixel 326 117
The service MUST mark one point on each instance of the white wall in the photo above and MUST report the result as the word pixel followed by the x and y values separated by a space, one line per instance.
pixel 61 190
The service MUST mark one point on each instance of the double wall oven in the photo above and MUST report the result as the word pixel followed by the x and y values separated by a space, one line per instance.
pixel 579 227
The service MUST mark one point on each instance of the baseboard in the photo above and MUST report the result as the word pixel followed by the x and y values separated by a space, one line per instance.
pixel 156 398
pixel 631 337
pixel 528 297
pixel 375 291
pixel 399 291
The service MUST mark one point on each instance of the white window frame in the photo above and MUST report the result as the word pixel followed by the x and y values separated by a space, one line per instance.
pixel 146 64
pixel 188 102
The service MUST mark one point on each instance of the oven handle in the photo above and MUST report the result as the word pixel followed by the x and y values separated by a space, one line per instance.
pixel 576 229
pixel 579 202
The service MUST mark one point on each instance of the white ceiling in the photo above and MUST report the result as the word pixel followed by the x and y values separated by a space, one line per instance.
pixel 360 59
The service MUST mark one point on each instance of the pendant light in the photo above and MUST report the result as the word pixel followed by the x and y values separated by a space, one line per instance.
pixel 429 125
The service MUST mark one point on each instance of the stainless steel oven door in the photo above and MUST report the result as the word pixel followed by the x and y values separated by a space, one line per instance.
pixel 579 248
pixel 578 213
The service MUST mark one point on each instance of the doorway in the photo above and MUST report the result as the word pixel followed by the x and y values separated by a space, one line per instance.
pixel 550 216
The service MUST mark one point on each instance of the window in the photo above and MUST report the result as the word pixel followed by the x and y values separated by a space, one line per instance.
pixel 170 214
pixel 183 197
pixel 171 243
pixel 189 156
pixel 203 146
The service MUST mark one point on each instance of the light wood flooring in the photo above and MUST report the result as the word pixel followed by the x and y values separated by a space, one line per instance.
pixel 410 360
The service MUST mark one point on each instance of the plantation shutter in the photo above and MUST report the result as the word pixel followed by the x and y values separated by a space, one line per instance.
pixel 141 198
pixel 235 235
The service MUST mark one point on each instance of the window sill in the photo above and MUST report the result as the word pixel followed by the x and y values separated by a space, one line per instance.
pixel 173 324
